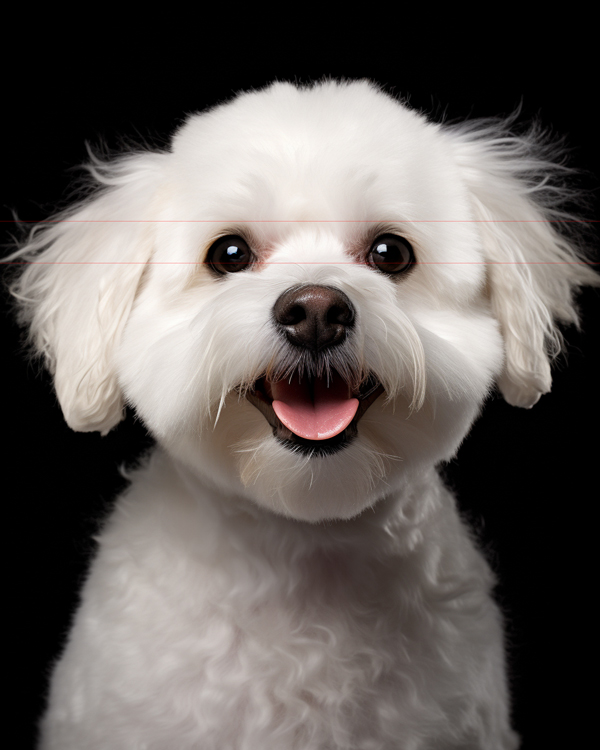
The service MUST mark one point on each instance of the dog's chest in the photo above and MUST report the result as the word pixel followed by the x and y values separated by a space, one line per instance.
pixel 274 647
pixel 216 632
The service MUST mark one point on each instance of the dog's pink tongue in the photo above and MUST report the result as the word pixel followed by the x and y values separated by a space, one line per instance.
pixel 315 414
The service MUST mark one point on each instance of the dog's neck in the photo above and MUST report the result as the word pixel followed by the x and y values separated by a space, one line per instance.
pixel 394 519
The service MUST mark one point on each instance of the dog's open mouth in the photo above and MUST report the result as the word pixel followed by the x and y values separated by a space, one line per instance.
pixel 315 415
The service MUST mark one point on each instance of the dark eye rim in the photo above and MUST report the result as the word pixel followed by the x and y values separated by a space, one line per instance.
pixel 223 268
pixel 410 263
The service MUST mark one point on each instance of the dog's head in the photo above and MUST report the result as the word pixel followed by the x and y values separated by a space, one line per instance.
pixel 309 296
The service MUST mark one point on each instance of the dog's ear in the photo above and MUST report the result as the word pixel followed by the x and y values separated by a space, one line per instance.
pixel 79 284
pixel 534 259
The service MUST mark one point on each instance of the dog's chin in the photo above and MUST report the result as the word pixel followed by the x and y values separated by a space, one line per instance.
pixel 261 396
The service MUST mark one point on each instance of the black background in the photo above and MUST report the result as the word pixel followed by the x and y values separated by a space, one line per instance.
pixel 523 477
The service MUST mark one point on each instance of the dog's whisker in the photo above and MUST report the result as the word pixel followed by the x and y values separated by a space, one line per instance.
pixel 221 405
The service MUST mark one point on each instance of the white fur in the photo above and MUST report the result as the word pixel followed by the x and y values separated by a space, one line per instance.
pixel 244 595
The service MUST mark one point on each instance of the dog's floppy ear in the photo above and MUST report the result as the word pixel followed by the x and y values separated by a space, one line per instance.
pixel 78 288
pixel 534 265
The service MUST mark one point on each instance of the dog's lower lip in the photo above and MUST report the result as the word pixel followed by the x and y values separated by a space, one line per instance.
pixel 260 397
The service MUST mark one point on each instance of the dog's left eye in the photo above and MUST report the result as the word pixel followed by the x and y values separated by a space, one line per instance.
pixel 391 254
pixel 229 254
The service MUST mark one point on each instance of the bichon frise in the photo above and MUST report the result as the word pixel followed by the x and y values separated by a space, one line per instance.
pixel 306 299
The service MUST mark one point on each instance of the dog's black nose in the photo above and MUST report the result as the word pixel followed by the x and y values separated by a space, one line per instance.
pixel 314 317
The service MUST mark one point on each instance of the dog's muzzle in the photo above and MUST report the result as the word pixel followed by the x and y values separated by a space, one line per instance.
pixel 313 406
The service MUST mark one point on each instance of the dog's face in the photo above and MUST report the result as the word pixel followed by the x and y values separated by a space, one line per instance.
pixel 309 318
pixel 311 337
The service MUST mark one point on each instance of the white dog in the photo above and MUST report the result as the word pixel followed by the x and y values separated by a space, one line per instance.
pixel 306 300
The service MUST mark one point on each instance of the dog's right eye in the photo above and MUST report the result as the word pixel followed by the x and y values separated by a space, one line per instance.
pixel 229 254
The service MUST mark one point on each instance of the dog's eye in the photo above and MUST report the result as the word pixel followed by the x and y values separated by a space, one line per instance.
pixel 391 254
pixel 229 255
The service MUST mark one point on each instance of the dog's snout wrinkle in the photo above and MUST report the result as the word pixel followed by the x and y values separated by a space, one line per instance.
pixel 314 317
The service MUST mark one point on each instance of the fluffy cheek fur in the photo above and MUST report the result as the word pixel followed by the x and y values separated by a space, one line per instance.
pixel 182 363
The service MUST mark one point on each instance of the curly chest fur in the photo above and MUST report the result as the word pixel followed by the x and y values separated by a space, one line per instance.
pixel 312 642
